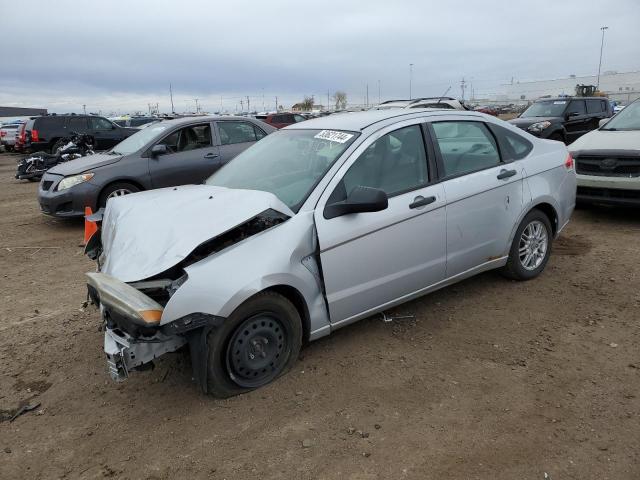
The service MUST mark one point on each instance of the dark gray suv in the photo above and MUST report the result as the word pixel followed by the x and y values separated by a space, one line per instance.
pixel 173 152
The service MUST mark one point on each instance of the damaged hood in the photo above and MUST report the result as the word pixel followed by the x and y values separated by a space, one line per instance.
pixel 146 233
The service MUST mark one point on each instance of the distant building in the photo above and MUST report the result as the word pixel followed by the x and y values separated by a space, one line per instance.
pixel 622 87
pixel 16 113
pixel 316 108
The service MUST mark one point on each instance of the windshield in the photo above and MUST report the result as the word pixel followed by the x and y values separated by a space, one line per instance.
pixel 287 163
pixel 139 139
pixel 626 119
pixel 552 108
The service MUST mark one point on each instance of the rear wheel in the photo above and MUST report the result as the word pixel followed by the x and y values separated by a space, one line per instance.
pixel 117 189
pixel 57 146
pixel 531 247
pixel 259 342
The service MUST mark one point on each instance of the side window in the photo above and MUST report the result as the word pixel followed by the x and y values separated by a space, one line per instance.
pixel 77 124
pixel 236 132
pixel 577 107
pixel 465 147
pixel 299 118
pixel 595 106
pixel 188 138
pixel 259 133
pixel 98 123
pixel 395 163
pixel 514 146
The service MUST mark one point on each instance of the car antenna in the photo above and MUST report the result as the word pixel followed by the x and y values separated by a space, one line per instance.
pixel 445 92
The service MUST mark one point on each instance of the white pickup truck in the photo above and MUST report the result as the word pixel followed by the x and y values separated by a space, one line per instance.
pixel 8 133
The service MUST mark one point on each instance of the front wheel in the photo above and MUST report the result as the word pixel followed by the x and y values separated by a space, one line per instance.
pixel 259 342
pixel 117 189
pixel 531 247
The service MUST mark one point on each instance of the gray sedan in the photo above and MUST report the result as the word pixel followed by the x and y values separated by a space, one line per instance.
pixel 169 153
pixel 317 226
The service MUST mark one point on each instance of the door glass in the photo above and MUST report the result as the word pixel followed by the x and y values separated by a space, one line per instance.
pixel 465 147
pixel 299 118
pixel 395 163
pixel 259 133
pixel 77 125
pixel 236 132
pixel 98 123
pixel 577 107
pixel 188 138
pixel 594 106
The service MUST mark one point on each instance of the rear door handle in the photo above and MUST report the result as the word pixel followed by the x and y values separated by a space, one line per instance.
pixel 506 174
pixel 421 201
pixel 211 155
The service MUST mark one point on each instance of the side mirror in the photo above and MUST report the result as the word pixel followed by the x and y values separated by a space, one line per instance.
pixel 603 122
pixel 361 199
pixel 158 150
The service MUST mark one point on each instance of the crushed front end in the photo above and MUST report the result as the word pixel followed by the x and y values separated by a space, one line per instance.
pixel 133 335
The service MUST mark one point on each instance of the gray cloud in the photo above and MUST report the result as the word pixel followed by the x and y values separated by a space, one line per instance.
pixel 122 54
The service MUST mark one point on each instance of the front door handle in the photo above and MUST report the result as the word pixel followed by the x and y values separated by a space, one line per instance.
pixel 211 155
pixel 506 174
pixel 421 201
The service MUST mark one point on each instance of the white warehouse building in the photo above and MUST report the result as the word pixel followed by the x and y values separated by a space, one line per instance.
pixel 621 87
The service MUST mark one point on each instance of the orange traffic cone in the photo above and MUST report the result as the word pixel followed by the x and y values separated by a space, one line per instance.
pixel 90 227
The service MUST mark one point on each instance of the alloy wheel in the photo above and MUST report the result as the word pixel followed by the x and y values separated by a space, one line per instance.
pixel 533 246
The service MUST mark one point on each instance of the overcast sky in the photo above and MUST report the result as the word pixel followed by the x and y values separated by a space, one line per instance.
pixel 120 55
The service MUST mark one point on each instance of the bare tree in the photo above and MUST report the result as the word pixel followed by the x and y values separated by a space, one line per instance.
pixel 340 99
pixel 307 104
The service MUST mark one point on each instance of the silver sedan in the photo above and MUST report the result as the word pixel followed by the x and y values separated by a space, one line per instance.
pixel 317 226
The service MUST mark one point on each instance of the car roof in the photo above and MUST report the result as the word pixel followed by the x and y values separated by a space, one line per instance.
pixel 359 121
pixel 556 99
pixel 206 118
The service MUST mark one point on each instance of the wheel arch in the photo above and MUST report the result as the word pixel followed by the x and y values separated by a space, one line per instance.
pixel 550 212
pixel 134 182
pixel 297 299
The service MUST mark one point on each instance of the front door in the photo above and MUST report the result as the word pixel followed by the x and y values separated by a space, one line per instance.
pixel 105 133
pixel 484 194
pixel 372 260
pixel 191 157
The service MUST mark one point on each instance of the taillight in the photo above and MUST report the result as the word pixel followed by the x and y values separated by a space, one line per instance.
pixel 23 135
pixel 34 136
pixel 3 134
pixel 568 163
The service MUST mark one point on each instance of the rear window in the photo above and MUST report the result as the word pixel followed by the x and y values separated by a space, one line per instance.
pixel 9 127
pixel 43 123
pixel 513 146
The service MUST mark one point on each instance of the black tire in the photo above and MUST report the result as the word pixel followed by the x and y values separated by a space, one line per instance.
pixel 114 187
pixel 514 268
pixel 34 179
pixel 259 342
pixel 57 145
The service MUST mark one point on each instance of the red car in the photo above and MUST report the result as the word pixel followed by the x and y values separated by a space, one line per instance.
pixel 486 109
pixel 280 120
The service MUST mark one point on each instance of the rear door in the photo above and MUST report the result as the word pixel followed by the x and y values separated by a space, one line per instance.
pixel 371 260
pixel 191 159
pixel 234 136
pixel 577 120
pixel 483 190
pixel 596 111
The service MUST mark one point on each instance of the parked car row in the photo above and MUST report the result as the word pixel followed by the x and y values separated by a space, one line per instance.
pixel 169 153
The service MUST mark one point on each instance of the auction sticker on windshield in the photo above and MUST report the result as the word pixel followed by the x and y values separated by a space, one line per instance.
pixel 559 102
pixel 334 136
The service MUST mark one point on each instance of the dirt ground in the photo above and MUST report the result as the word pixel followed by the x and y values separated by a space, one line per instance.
pixel 492 379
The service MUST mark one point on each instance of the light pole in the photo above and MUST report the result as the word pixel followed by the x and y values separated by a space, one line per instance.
pixel 410 78
pixel 600 63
